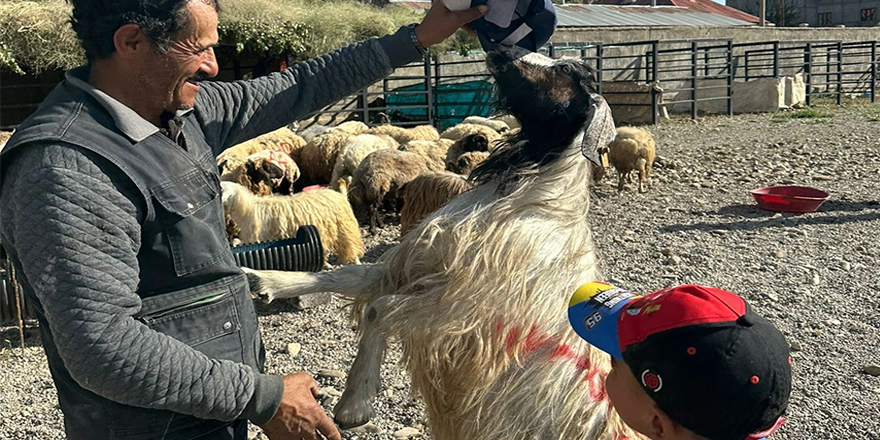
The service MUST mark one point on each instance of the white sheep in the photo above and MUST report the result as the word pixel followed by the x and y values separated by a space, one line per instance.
pixel 508 119
pixel 265 172
pixel 427 193
pixel 351 127
pixel 379 178
pixel 471 142
pixel 495 124
pixel 403 135
pixel 282 139
pixel 433 151
pixel 459 131
pixel 467 162
pixel 632 150
pixel 275 217
pixel 353 152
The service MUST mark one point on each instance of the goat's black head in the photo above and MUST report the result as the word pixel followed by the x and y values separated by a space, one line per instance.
pixel 554 100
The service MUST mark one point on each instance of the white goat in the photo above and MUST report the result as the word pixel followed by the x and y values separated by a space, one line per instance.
pixel 478 292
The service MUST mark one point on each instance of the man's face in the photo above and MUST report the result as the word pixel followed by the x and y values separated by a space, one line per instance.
pixel 172 77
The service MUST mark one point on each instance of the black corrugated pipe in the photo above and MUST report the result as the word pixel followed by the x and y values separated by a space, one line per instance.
pixel 303 253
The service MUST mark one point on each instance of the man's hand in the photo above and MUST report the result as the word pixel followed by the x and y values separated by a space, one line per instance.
pixel 439 23
pixel 300 417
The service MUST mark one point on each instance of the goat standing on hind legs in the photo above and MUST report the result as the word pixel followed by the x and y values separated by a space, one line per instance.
pixel 477 293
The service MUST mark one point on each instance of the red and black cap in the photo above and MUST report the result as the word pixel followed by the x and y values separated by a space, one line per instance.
pixel 711 363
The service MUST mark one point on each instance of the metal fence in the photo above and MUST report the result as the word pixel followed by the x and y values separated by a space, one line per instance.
pixel 693 76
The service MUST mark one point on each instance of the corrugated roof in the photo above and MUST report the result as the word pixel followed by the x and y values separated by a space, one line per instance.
pixel 694 5
pixel 579 15
pixel 604 15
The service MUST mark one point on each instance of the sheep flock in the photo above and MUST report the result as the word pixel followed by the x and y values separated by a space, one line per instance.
pixel 321 175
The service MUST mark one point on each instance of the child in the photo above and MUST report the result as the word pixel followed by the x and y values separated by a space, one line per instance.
pixel 688 362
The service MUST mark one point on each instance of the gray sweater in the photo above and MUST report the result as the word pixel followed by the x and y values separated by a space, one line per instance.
pixel 76 234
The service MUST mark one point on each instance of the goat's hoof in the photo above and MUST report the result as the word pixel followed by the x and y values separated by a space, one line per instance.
pixel 351 413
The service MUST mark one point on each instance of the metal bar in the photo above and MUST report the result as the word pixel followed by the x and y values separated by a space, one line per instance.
pixel 694 80
pixel 873 71
pixel 808 77
pixel 730 78
pixel 655 95
pixel 839 76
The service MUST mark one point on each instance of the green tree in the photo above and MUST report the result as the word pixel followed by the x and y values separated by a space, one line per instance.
pixel 778 12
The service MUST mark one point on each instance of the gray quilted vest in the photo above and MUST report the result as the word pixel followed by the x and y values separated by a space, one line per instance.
pixel 190 285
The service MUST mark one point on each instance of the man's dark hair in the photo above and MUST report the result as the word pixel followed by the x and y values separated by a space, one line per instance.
pixel 95 21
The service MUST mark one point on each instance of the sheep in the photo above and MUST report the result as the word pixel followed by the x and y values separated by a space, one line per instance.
pixel 266 172
pixel 632 150
pixel 477 293
pixel 467 162
pixel 354 150
pixel 495 124
pixel 404 135
pixel 282 139
pixel 471 142
pixel 351 127
pixel 312 131
pixel 459 131
pixel 433 151
pixel 510 120
pixel 426 194
pixel 380 176
pixel 275 217
pixel 318 157
pixel 4 137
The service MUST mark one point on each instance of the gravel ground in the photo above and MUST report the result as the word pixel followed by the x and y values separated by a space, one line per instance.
pixel 815 275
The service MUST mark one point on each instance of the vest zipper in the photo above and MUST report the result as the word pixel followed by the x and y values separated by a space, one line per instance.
pixel 149 318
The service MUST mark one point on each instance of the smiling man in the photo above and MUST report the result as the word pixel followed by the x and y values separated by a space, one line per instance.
pixel 110 211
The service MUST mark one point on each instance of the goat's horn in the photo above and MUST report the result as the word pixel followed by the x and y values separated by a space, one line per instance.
pixel 600 130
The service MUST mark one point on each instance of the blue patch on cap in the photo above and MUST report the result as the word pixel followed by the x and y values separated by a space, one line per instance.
pixel 593 313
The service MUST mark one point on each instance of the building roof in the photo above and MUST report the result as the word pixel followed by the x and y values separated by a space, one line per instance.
pixel 695 5
pixel 578 15
pixel 700 13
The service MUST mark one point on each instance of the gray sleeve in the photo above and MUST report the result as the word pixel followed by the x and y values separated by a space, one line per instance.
pixel 233 112
pixel 76 237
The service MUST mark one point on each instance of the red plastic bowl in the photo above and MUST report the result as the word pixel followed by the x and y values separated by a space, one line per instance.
pixel 789 198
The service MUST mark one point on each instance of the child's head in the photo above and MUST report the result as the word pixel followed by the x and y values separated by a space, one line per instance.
pixel 688 362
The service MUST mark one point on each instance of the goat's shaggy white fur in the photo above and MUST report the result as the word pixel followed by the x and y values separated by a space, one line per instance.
pixel 478 292
pixel 274 217
pixel 632 150
pixel 426 194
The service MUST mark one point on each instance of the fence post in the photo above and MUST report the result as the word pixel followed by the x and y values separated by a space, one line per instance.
pixel 729 77
pixel 430 88
pixel 775 59
pixel 694 80
pixel 655 95
pixel 839 72
pixel 436 81
pixel 599 66
pixel 808 77
pixel 873 71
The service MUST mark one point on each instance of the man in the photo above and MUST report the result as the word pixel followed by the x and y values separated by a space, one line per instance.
pixel 110 211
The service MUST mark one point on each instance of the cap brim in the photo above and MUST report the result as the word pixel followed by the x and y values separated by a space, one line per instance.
pixel 594 312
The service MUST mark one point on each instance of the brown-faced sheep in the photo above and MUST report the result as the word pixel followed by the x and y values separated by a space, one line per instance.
pixel 266 172
pixel 467 162
pixel 426 194
pixel 379 178
pixel 459 131
pixel 434 152
pixel 632 150
pixel 403 135
pixel 471 142
pixel 282 139
pixel 353 152
pixel 274 217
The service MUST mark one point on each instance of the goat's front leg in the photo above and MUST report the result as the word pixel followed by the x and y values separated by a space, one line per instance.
pixel 364 381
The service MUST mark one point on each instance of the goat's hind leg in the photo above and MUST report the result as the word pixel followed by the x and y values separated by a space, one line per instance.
pixel 364 380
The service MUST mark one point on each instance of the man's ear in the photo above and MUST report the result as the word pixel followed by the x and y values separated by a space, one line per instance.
pixel 664 428
pixel 128 40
